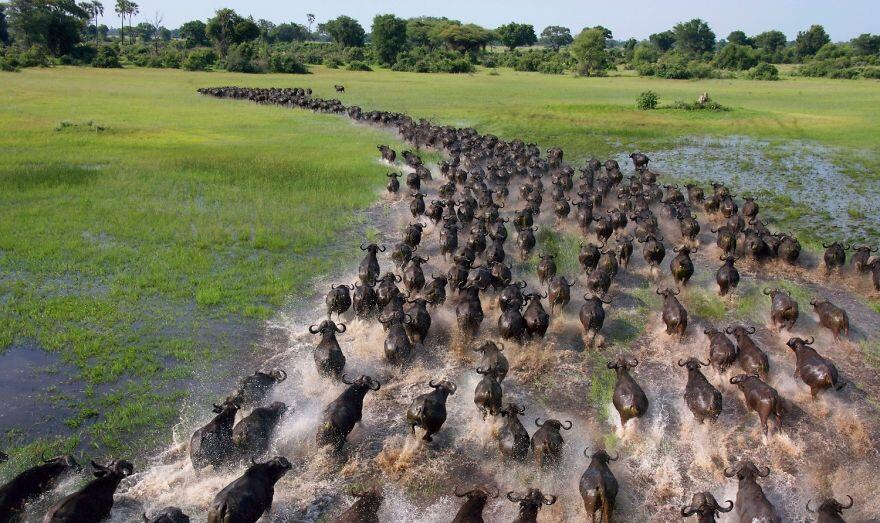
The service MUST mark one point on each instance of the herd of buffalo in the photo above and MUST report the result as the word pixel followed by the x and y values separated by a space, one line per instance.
pixel 470 222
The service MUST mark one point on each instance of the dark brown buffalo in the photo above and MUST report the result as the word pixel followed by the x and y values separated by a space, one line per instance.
pixel 364 300
pixel 592 314
pixel 397 347
pixel 689 227
pixel 469 311
pixel 599 487
pixel 703 400
pixel 512 324
pixel 388 154
pixel 640 161
pixel 471 511
pixel 492 359
pixel 413 275
pixel 624 250
pixel 546 267
pixel 760 398
pixel 629 399
pixel 727 276
pixel 512 296
pixel 393 182
pixel 488 395
pixel 695 193
pixel 417 205
pixel 722 351
pixel 537 319
pixel 387 289
pixel 783 308
pixel 368 270
pixel 530 504
pixel 253 433
pixel 599 281
pixel 254 388
pixel 558 292
pixel 329 357
pixel 341 415
pixel 681 266
pixel 834 257
pixel 94 501
pixel 168 515
pixel 706 508
pixel 674 314
pixel 212 444
pixel 428 410
pixel 726 240
pixel 831 317
pixel 514 441
pixel 33 483
pixel 752 360
pixel 861 257
pixel 830 510
pixel 365 508
pixel 751 503
pixel 338 299
pixel 246 499
pixel 547 442
pixel 435 290
pixel 818 372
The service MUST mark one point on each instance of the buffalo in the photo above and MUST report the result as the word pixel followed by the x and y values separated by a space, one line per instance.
pixel 514 441
pixel 364 301
pixel 365 509
pixel 387 289
pixel 727 276
pixel 471 511
pixel 428 411
pixel 338 299
pixel 253 433
pixel 94 501
pixel 246 499
pixel 329 358
pixel 512 324
pixel 420 320
pixel 599 487
pixel 760 397
pixel 254 388
pixel 493 360
pixel 751 502
pixel 393 183
pixel 726 240
pixel 706 508
pixel 703 400
pixel 834 257
pixel 558 292
pixel 592 314
pixel 589 256
pixel 530 504
pixel 341 415
pixel 861 257
pixel 546 267
pixel 831 317
pixel 783 308
pixel 752 360
pixel 653 251
pixel 818 372
pixel 829 511
pixel 368 270
pixel 629 399
pixel 168 515
pixel 789 249
pixel 488 394
pixel 537 319
pixel 547 442
pixel 722 351
pixel 212 444
pixel 435 290
pixel 674 314
pixel 33 483
pixel 398 347
pixel 388 154
pixel 469 311
pixel 681 266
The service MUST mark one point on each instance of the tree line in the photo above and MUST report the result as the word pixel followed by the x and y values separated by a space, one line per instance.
pixel 41 32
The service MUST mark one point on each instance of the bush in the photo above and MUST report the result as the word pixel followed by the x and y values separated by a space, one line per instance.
pixel 243 58
pixel 35 56
pixel 84 54
pixel 736 57
pixel 333 63
pixel 286 63
pixel 200 60
pixel 107 58
pixel 764 71
pixel 422 60
pixel 697 106
pixel 647 100
pixel 357 65
pixel 171 59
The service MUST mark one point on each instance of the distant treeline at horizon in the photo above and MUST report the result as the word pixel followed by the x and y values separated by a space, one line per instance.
pixel 66 32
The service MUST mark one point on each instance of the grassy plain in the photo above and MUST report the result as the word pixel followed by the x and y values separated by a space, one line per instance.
pixel 147 229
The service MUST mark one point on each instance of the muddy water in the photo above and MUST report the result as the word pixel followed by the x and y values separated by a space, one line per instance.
pixel 827 447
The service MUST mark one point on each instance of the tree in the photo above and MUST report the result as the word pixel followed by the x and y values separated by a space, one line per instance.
pixel 425 31
pixel 94 9
pixel 165 34
pixel 145 31
pixel 311 19
pixel 194 33
pixel 246 31
pixel 121 9
pixel 4 26
pixel 290 33
pixel 267 30
pixel 514 35
pixel 221 29
pixel 694 37
pixel 156 24
pixel 133 10
pixel 864 44
pixel 465 38
pixel 810 41
pixel 663 41
pixel 556 36
pixel 770 41
pixel 389 37
pixel 740 38
pixel 589 51
pixel 736 57
pixel 56 25
pixel 345 31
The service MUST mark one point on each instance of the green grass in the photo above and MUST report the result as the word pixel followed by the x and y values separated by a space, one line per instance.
pixel 147 230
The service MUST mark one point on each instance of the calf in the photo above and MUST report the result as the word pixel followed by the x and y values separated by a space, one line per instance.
pixel 703 400
pixel 530 504
pixel 33 483
pixel 629 399
pixel 246 499
pixel 751 503
pixel 831 317
pixel 329 358
pixel 829 511
pixel 817 372
pixel 94 501
pixel 471 511
pixel 703 504
pixel 341 415
pixel 547 442
pixel 253 433
pixel 428 410
pixel 212 444
pixel 760 398
pixel 599 487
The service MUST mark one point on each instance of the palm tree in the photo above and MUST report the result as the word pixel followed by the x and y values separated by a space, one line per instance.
pixel 122 9
pixel 95 9
pixel 311 18
pixel 132 10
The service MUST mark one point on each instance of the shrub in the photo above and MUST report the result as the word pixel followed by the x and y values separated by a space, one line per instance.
pixel 333 63
pixel 697 106
pixel 8 66
pixel 171 59
pixel 764 71
pixel 647 100
pixel 286 63
pixel 84 54
pixel 200 60
pixel 35 56
pixel 736 57
pixel 357 65
pixel 242 58
pixel 107 58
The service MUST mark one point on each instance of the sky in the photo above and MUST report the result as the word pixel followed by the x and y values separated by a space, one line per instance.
pixel 843 19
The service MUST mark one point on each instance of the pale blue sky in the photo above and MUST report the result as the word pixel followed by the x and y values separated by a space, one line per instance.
pixel 843 19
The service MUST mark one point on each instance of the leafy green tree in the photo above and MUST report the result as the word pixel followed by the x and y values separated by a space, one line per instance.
pixel 55 25
pixel 663 41
pixel 515 35
pixel 810 41
pixel 865 44
pixel 556 36
pixel 345 31
pixel 267 29
pixel 4 26
pixel 222 29
pixel 145 31
pixel 246 31
pixel 589 51
pixel 165 34
pixel 94 9
pixel 311 20
pixel 389 37
pixel 740 38
pixel 290 32
pixel 424 31
pixel 770 41
pixel 194 33
pixel 694 37
pixel 466 38
pixel 736 57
